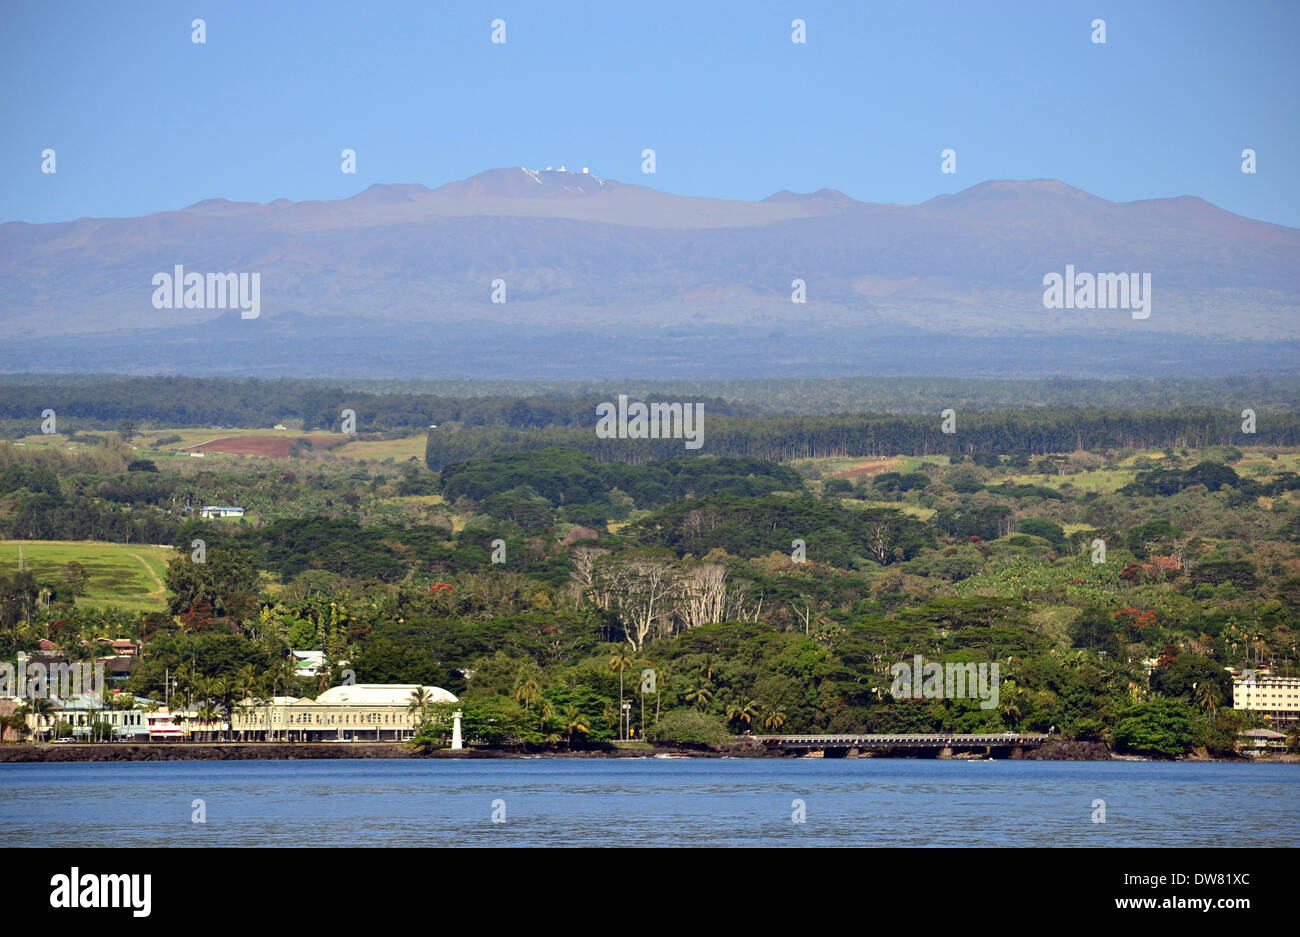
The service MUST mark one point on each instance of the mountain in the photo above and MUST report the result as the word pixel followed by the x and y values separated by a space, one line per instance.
pixel 606 278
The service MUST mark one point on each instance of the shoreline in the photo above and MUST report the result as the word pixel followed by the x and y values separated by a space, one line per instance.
pixel 93 752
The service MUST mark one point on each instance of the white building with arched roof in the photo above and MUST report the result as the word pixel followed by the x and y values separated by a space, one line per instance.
pixel 370 712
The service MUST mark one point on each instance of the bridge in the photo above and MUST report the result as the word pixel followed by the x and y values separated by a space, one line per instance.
pixel 942 744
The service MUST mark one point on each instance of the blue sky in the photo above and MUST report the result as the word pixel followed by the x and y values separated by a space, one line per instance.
pixel 144 120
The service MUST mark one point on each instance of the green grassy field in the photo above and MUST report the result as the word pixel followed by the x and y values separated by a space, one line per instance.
pixel 399 450
pixel 914 510
pixel 1099 480
pixel 129 576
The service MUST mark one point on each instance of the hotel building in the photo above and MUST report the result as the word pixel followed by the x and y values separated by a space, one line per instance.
pixel 1278 698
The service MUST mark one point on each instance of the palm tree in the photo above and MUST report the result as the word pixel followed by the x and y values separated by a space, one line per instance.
pixel 418 702
pixel 1206 697
pixel 38 707
pixel 662 676
pixel 243 712
pixel 281 676
pixel 205 689
pixel 527 691
pixel 44 709
pixel 544 711
pixel 182 697
pixel 620 662
pixel 207 715
pixel 700 696
pixel 574 721
pixel 245 683
pixel 773 719
pixel 185 679
pixel 265 695
pixel 224 690
pixel 739 710
pixel 323 675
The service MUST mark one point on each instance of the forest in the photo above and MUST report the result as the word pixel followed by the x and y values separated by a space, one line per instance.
pixel 766 584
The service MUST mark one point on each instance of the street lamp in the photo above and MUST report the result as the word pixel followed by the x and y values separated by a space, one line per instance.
pixel 627 717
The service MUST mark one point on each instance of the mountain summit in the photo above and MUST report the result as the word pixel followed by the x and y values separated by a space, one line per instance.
pixel 579 254
pixel 530 183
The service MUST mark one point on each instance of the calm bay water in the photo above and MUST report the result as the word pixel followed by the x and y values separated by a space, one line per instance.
pixel 649 802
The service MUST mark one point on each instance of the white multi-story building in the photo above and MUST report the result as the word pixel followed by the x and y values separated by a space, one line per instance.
pixel 1278 698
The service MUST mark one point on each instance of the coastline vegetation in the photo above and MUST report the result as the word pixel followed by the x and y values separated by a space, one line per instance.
pixel 716 595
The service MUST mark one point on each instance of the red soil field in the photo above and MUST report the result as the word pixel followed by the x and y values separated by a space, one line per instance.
pixel 275 447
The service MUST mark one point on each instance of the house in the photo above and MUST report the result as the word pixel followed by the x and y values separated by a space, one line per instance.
pixel 1259 741
pixel 117 668
pixel 182 726
pixel 213 510
pixel 80 713
pixel 84 711
pixel 310 663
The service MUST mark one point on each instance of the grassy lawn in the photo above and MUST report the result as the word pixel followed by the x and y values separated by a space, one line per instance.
pixel 1101 480
pixel 913 510
pixel 399 450
pixel 129 576
pixel 1155 455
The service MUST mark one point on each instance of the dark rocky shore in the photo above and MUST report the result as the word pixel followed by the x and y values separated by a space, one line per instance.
pixel 1056 750
pixel 274 751
pixel 1066 750
pixel 291 751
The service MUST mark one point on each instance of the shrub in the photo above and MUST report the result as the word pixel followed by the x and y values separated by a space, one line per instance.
pixel 689 727
pixel 837 486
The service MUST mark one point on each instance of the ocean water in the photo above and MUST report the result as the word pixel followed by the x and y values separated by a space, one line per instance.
pixel 649 802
